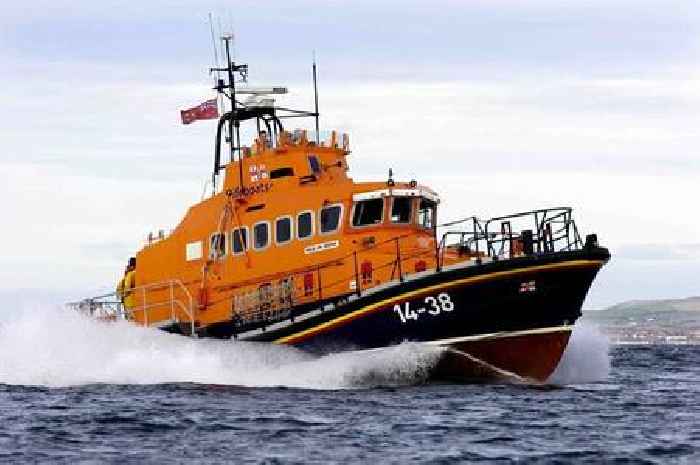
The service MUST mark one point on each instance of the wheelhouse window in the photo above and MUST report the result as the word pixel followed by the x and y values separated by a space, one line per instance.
pixel 283 230
pixel 261 235
pixel 314 164
pixel 401 210
pixel 239 240
pixel 305 225
pixel 368 212
pixel 217 245
pixel 426 213
pixel 330 219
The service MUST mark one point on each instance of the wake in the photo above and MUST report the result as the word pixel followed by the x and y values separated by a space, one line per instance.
pixel 586 358
pixel 55 347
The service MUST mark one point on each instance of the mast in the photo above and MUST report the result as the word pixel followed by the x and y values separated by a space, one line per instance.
pixel 316 101
pixel 234 124
pixel 258 106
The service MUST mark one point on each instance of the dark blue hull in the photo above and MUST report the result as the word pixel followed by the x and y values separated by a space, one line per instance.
pixel 511 312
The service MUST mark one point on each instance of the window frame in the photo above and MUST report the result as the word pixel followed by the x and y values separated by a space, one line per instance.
pixel 340 219
pixel 225 251
pixel 362 226
pixel 246 245
pixel 313 225
pixel 291 229
pixel 267 243
pixel 311 166
pixel 411 213
pixel 433 219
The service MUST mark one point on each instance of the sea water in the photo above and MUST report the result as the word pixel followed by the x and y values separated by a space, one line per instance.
pixel 73 389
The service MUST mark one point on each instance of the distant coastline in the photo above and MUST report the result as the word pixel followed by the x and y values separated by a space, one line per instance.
pixel 666 321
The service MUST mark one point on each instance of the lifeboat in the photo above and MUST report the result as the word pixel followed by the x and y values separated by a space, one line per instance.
pixel 288 249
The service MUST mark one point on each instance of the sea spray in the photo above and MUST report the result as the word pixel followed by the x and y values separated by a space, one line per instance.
pixel 586 358
pixel 56 347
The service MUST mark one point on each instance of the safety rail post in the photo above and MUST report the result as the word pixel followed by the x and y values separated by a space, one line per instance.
pixel 358 287
pixel 476 240
pixel 145 310
pixel 438 248
pixel 172 300
pixel 398 259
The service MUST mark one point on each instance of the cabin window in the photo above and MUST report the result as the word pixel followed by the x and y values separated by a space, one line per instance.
pixel 257 207
pixel 281 173
pixel 314 164
pixel 261 235
pixel 217 245
pixel 193 251
pixel 330 219
pixel 368 212
pixel 305 225
pixel 283 230
pixel 401 209
pixel 239 240
pixel 426 213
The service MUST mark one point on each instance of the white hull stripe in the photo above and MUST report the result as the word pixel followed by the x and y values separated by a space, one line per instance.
pixel 503 334
pixel 479 337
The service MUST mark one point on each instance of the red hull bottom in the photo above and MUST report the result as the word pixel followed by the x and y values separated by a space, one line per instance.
pixel 525 356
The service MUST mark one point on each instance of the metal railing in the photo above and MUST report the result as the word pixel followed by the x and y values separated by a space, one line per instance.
pixel 553 230
pixel 264 300
pixel 274 301
pixel 173 296
pixel 541 231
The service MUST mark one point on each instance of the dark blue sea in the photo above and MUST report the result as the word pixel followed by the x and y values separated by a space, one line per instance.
pixel 73 391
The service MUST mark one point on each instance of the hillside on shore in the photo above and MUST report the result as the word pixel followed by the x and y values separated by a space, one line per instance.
pixel 650 321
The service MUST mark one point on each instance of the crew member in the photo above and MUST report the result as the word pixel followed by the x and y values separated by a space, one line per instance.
pixel 264 139
pixel 130 284
pixel 120 286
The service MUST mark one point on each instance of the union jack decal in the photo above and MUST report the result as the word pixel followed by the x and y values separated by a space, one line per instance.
pixel 528 286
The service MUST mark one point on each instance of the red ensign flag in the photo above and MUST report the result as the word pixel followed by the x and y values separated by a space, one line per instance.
pixel 205 110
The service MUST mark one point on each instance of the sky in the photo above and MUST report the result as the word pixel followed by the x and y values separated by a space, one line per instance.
pixel 499 105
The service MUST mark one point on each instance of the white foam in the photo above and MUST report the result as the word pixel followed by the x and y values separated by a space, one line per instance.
pixel 586 358
pixel 56 347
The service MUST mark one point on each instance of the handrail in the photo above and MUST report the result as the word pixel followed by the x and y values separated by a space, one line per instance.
pixel 476 241
pixel 554 230
pixel 110 306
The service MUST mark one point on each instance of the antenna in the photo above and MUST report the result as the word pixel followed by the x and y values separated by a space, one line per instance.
pixel 220 99
pixel 232 68
pixel 316 99
pixel 213 43
pixel 216 60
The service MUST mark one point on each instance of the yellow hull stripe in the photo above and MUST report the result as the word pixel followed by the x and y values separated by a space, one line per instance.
pixel 292 338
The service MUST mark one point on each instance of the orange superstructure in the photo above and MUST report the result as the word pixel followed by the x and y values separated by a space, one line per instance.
pixel 298 220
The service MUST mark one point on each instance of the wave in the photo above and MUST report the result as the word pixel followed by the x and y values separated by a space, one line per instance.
pixel 55 347
pixel 586 358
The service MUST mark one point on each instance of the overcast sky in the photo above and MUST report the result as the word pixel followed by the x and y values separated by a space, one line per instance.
pixel 500 105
